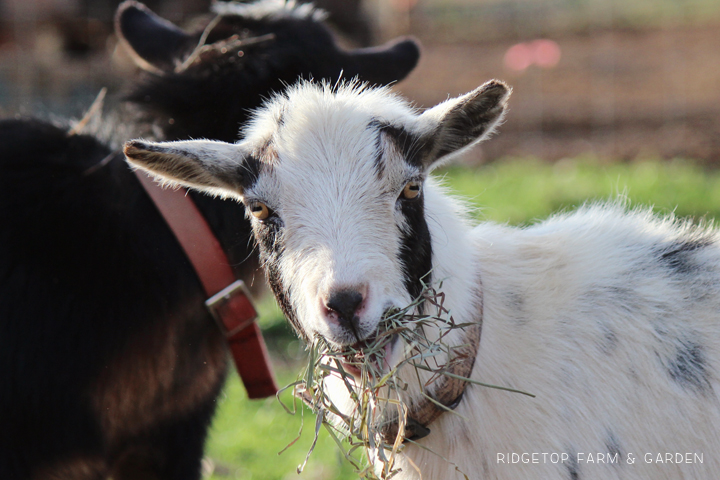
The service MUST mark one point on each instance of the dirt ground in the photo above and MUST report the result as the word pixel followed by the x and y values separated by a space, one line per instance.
pixel 617 95
pixel 614 94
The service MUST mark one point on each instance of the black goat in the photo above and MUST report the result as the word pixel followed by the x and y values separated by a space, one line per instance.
pixel 109 361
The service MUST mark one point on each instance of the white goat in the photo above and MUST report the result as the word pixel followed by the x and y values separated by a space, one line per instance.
pixel 610 317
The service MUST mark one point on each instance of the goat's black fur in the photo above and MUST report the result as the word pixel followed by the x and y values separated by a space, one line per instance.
pixel 109 362
pixel 211 99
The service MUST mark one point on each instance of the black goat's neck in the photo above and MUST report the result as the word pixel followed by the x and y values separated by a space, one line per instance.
pixel 229 224
pixel 122 121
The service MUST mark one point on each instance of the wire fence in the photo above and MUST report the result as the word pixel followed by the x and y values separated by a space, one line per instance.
pixel 617 80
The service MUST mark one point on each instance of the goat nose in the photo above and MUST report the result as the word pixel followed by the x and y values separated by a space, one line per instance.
pixel 345 304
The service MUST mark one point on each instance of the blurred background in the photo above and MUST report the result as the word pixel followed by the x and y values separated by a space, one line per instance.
pixel 615 79
pixel 611 97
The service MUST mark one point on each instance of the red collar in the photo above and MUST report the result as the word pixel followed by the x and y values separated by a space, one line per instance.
pixel 228 299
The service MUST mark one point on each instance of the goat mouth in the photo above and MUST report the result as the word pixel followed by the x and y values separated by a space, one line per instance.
pixel 371 355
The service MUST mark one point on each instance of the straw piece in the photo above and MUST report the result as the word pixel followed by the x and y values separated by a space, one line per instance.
pixel 380 421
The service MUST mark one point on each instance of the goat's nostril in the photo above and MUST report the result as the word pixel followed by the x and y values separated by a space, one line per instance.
pixel 345 303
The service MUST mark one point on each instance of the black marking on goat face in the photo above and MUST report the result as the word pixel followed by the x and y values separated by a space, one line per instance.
pixel 412 147
pixel 688 368
pixel 415 247
pixel 269 239
pixel 415 253
pixel 248 172
pixel 379 151
pixel 283 298
pixel 679 256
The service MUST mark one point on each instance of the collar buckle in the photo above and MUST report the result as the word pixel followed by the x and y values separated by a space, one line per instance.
pixel 232 308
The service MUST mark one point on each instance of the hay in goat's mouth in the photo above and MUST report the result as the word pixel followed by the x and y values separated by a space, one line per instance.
pixel 376 389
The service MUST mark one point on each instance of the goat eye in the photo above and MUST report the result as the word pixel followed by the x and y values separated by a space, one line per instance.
pixel 259 210
pixel 411 190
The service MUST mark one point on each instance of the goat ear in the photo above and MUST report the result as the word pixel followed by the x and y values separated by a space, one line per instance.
pixel 384 64
pixel 211 166
pixel 153 42
pixel 461 122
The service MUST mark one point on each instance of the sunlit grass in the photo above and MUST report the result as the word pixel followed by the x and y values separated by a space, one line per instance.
pixel 522 191
pixel 247 435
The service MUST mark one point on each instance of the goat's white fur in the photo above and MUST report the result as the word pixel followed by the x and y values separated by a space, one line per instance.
pixel 572 311
pixel 620 346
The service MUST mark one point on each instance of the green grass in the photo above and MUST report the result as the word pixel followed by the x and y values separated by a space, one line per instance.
pixel 521 191
pixel 247 435
pixel 457 20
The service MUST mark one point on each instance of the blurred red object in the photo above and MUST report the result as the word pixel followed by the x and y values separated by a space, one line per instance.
pixel 543 53
pixel 403 5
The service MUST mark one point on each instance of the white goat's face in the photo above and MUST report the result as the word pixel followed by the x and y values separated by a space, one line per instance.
pixel 332 180
pixel 345 238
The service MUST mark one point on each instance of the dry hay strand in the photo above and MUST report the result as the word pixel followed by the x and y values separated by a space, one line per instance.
pixel 373 432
